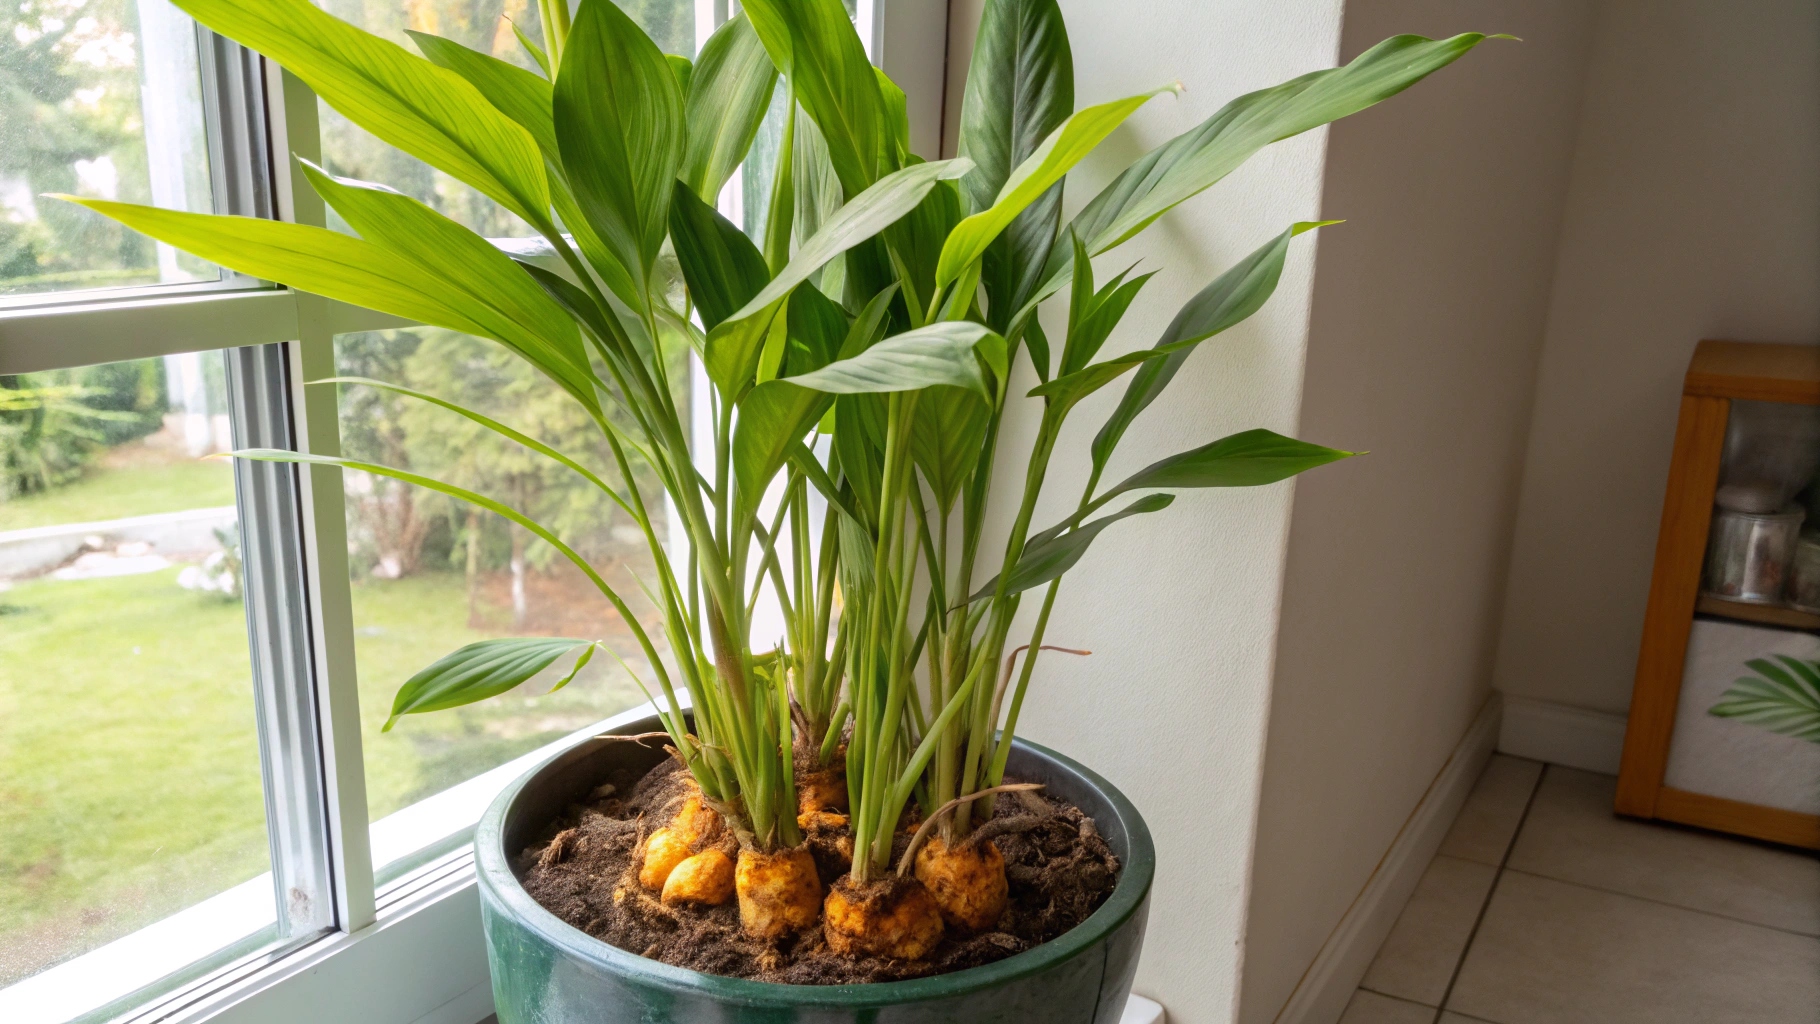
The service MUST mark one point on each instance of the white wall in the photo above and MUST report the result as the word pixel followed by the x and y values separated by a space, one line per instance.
pixel 1694 212
pixel 1429 306
pixel 1180 608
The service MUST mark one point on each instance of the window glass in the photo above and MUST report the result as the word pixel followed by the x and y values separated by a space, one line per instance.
pixel 431 574
pixel 484 25
pixel 130 785
pixel 98 98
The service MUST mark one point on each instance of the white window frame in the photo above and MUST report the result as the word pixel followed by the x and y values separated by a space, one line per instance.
pixel 407 950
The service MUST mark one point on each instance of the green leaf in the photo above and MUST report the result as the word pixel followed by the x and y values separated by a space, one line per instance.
pixel 485 668
pixel 894 141
pixel 309 259
pixel 537 52
pixel 872 211
pixel 914 244
pixel 513 91
pixel 947 439
pixel 1232 297
pixel 461 494
pixel 1184 166
pixel 479 280
pixel 429 112
pixel 733 350
pixel 1784 699
pixel 1065 147
pixel 1092 319
pixel 724 269
pixel 817 329
pixel 619 121
pixel 773 418
pixel 1020 88
pixel 1247 459
pixel 728 96
pixel 941 353
pixel 818 198
pixel 814 43
pixel 1052 553
pixel 491 424
pixel 684 70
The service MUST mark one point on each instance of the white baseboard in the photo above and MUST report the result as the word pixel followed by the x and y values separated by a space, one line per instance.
pixel 1544 731
pixel 1327 986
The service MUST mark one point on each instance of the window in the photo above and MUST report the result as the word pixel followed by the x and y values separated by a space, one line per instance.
pixel 129 753
pixel 196 656
pixel 429 574
pixel 101 98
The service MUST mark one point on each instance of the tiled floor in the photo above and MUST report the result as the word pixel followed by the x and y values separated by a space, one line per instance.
pixel 1544 908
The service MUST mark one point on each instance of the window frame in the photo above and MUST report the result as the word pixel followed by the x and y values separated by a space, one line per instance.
pixel 403 947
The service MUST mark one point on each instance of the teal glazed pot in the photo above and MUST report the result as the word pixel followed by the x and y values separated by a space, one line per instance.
pixel 548 972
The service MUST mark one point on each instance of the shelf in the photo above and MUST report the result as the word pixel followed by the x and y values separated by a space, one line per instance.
pixel 1762 614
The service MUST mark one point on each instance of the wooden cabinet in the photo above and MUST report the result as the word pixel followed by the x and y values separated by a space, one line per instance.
pixel 1720 373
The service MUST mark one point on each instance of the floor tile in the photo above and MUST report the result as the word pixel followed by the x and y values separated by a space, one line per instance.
pixel 1553 953
pixel 1451 1017
pixel 1572 835
pixel 1372 1008
pixel 1488 821
pixel 1419 956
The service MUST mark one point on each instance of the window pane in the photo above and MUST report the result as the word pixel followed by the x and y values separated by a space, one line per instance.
pixel 484 25
pixel 130 785
pixel 97 98
pixel 431 574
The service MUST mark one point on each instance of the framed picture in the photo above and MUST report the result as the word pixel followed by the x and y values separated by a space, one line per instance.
pixel 1724 729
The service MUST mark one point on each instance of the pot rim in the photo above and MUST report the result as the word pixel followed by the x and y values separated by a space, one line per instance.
pixel 494 873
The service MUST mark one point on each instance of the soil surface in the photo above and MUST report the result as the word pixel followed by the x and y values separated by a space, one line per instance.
pixel 586 872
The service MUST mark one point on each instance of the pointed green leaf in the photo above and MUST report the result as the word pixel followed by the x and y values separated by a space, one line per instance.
pixel 1247 459
pixel 734 348
pixel 1191 162
pixel 724 269
pixel 1020 88
pixel 1065 147
pixel 619 122
pixel 427 111
pixel 537 52
pixel 1785 700
pixel 1101 313
pixel 818 199
pixel 894 140
pixel 773 418
pixel 478 279
pixel 485 668
pixel 513 91
pixel 947 437
pixel 877 208
pixel 1232 297
pixel 817 329
pixel 491 424
pixel 310 259
pixel 728 96
pixel 814 43
pixel 684 70
pixel 941 353
pixel 1052 553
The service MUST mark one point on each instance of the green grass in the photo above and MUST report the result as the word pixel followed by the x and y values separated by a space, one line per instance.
pixel 104 493
pixel 129 778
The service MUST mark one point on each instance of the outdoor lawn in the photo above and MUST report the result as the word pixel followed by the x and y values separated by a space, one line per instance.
pixel 137 488
pixel 129 776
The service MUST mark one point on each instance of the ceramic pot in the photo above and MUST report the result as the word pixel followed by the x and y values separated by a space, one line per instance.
pixel 547 972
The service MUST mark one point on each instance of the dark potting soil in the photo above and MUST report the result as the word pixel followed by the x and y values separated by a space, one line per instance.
pixel 586 872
